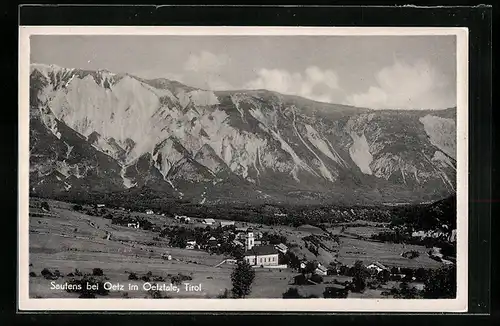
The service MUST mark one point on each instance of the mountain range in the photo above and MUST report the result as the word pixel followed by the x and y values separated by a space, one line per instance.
pixel 102 132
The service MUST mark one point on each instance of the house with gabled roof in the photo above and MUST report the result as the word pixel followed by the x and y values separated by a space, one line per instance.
pixel 208 221
pixel 321 270
pixel 226 223
pixel 281 248
pixel 377 266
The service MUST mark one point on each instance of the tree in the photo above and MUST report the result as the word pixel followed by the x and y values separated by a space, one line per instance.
pixel 316 278
pixel 291 259
pixel 300 279
pixel 242 278
pixel 45 206
pixel 421 274
pixel 449 250
pixel 292 293
pixel 407 292
pixel 441 283
pixel 238 252
pixel 384 276
pixel 359 273
pixel 310 268
pixel 97 272
pixel 332 292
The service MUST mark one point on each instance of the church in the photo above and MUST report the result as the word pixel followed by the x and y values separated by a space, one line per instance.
pixel 259 255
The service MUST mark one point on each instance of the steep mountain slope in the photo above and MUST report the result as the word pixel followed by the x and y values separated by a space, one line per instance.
pixel 62 159
pixel 234 145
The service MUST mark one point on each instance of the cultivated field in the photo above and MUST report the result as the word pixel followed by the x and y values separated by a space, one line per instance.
pixel 65 240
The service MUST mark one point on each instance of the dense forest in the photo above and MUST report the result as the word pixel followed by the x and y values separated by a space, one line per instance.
pixel 421 217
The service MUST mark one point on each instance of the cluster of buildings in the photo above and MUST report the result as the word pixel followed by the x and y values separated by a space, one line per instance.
pixel 436 234
pixel 211 221
pixel 134 225
pixel 182 218
pixel 258 254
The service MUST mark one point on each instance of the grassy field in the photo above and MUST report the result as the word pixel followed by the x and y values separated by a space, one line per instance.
pixel 352 248
pixel 64 240
pixel 364 231
pixel 68 240
pixel 388 254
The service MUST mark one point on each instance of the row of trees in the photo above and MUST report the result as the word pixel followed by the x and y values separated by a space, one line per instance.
pixel 329 293
pixel 397 236
pixel 142 198
pixel 427 216
pixel 438 283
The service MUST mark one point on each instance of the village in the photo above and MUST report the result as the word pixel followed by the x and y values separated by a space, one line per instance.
pixel 308 257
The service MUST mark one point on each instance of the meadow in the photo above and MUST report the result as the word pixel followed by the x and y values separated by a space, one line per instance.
pixel 67 240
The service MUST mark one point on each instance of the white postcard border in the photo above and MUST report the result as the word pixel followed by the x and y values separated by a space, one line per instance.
pixel 459 304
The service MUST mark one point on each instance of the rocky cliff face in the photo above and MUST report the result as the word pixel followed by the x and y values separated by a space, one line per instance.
pixel 99 131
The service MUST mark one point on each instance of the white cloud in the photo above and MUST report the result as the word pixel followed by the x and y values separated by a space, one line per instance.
pixel 205 62
pixel 406 86
pixel 203 70
pixel 313 83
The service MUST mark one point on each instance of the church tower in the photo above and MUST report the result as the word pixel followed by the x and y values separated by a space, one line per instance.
pixel 249 240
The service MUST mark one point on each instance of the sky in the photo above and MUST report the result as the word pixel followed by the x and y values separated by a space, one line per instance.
pixel 378 72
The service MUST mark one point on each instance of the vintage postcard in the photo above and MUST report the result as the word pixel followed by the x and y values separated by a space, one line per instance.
pixel 243 169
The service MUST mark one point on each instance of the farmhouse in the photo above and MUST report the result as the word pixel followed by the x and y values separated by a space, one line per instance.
pixel 281 248
pixel 166 256
pixel 259 255
pixel 149 212
pixel 134 225
pixel 377 266
pixel 183 218
pixel 212 242
pixel 453 236
pixel 208 221
pixel 226 223
pixel 321 270
pixel 190 244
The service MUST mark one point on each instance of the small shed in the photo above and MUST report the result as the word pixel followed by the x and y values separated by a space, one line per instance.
pixel 208 221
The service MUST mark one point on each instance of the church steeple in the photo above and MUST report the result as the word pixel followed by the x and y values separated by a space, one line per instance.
pixel 249 240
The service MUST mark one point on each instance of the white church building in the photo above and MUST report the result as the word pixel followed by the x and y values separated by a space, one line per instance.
pixel 259 255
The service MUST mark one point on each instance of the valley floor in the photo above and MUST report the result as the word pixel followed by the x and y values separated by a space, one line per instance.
pixel 66 240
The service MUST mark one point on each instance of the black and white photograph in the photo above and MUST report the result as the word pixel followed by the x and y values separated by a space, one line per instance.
pixel 296 165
